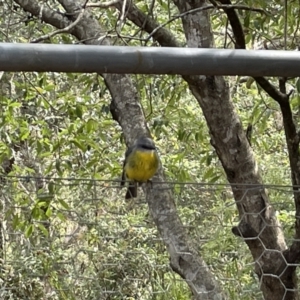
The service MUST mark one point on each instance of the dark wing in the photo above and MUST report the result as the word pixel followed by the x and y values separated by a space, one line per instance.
pixel 131 191
pixel 123 176
pixel 128 151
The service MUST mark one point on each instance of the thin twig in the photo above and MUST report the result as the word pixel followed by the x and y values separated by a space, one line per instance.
pixel 222 6
pixel 296 29
pixel 103 4
pixel 59 31
pixel 285 23
pixel 122 17
pixel 38 92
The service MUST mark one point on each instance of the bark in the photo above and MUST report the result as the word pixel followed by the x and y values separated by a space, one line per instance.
pixel 259 226
pixel 292 255
pixel 127 111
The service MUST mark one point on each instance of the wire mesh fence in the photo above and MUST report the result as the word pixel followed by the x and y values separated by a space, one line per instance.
pixel 80 239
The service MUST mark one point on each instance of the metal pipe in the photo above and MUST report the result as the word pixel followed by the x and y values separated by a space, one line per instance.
pixel 147 60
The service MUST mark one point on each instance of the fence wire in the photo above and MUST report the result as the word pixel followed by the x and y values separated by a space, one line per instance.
pixel 80 239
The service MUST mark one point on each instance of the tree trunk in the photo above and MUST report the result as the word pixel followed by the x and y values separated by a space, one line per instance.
pixel 127 111
pixel 258 226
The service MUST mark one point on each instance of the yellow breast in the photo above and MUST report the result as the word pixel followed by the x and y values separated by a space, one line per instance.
pixel 141 165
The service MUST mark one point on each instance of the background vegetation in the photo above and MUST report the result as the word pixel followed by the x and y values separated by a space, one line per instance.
pixel 67 232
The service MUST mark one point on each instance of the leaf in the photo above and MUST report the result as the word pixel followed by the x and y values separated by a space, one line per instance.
pixel 49 87
pixel 78 144
pixel 298 85
pixel 16 221
pixel 39 89
pixel 43 229
pixel 42 204
pixel 48 212
pixel 29 231
pixel 35 213
pixel 57 165
pixel 60 216
pixel 25 134
pixel 247 20
pixel 56 146
pixel 90 125
pixel 63 204
pixel 51 187
pixel 78 111
pixel 15 104
pixel 209 174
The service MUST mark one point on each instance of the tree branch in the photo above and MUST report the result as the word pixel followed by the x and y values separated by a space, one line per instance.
pixel 128 112
pixel 48 15
pixel 59 31
pixel 219 104
pixel 103 4
pixel 271 90
pixel 292 138
pixel 157 30
pixel 240 43
pixel 236 26
pixel 163 36
pixel 227 133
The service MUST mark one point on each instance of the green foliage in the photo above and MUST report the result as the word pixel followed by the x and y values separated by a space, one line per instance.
pixel 59 126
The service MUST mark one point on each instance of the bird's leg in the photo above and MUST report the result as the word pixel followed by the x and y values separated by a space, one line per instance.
pixel 151 183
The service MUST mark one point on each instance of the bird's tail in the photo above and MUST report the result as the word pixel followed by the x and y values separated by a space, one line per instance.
pixel 131 191
pixel 123 180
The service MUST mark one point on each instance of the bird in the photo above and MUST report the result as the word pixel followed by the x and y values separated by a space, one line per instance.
pixel 140 164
